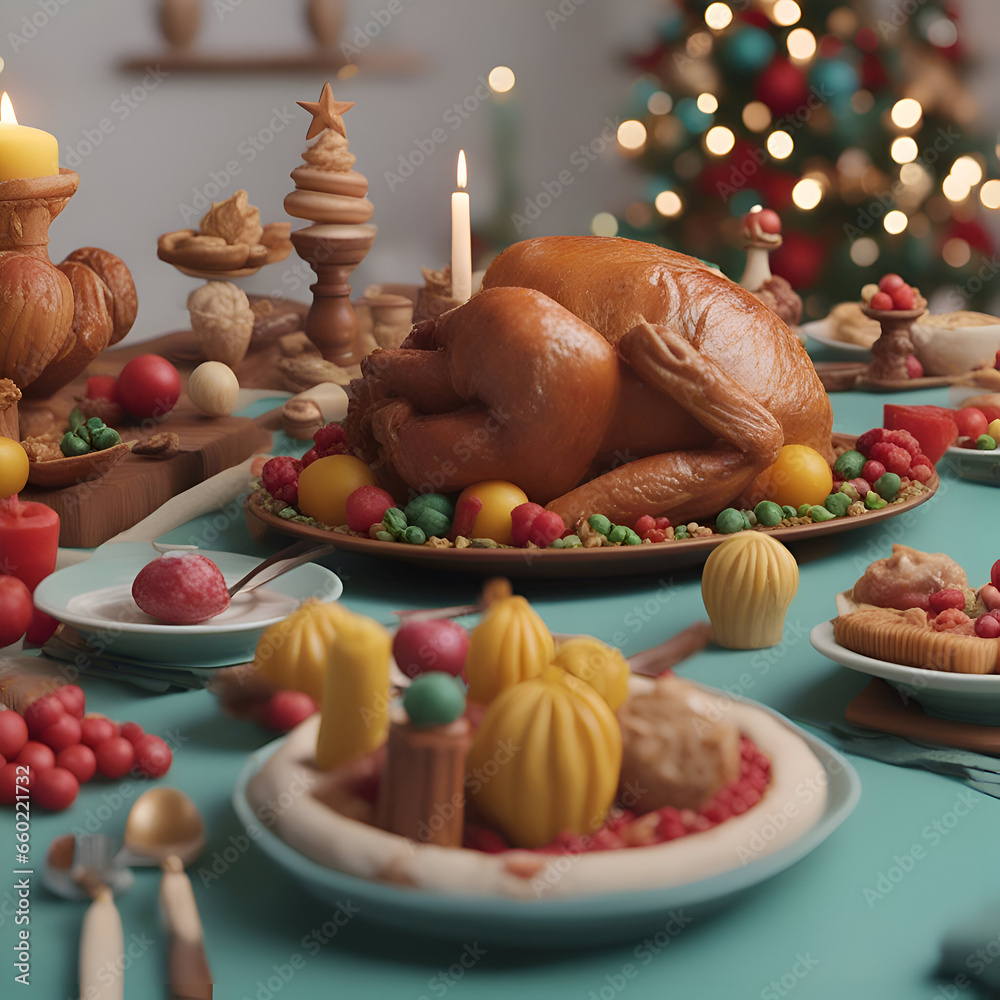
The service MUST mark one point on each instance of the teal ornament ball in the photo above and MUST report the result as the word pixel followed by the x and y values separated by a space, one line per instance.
pixel 434 699
pixel 694 120
pixel 834 80
pixel 748 50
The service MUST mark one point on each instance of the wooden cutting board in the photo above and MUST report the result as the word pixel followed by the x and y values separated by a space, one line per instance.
pixel 91 513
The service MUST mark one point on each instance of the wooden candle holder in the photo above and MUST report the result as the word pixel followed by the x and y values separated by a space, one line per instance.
pixel 333 252
pixel 890 351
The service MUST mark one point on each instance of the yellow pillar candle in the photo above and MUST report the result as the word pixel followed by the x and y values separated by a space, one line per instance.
pixel 355 708
pixel 24 152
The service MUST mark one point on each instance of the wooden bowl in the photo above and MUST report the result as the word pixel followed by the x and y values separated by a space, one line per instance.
pixel 60 472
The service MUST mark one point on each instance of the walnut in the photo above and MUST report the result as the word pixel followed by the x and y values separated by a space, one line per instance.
pixel 235 220
pixel 163 445
pixel 42 449
pixel 222 321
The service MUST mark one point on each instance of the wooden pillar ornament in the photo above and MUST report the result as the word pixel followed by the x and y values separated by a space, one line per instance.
pixel 331 195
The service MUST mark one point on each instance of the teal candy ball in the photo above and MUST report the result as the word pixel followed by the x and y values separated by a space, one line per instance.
pixel 434 699
pixel 694 120
pixel 748 50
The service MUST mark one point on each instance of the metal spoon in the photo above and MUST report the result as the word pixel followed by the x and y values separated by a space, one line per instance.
pixel 82 868
pixel 164 827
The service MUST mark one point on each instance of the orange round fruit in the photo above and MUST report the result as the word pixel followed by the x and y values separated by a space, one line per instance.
pixel 325 485
pixel 13 467
pixel 800 475
pixel 499 499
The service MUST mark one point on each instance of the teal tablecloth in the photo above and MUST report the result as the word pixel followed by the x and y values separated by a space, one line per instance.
pixel 863 916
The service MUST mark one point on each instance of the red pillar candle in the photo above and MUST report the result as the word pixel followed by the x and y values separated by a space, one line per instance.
pixel 29 543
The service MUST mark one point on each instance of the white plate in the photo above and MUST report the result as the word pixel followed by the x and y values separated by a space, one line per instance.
pixel 819 330
pixel 95 596
pixel 966 697
pixel 980 466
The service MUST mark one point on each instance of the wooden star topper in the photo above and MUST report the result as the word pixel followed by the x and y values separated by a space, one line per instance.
pixel 326 112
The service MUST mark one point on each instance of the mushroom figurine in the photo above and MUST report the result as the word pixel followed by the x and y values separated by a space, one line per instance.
pixel 761 233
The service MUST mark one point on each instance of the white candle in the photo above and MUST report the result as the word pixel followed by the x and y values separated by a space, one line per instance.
pixel 461 237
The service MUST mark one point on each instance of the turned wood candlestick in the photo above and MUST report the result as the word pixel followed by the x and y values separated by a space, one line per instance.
pixel 890 351
pixel 333 252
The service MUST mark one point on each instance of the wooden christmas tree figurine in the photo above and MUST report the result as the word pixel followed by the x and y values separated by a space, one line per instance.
pixel 331 195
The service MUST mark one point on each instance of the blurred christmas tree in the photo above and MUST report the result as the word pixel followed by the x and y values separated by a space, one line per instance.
pixel 856 128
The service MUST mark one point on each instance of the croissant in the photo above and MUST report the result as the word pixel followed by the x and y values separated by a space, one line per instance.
pixel 600 375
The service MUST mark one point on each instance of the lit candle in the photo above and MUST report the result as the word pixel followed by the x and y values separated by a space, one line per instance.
pixel 24 152
pixel 461 237
pixel 29 543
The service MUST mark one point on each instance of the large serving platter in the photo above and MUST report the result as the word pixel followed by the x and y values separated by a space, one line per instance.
pixel 607 561
pixel 574 921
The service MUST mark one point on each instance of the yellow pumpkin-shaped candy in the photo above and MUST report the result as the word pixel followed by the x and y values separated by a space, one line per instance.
pixel 511 644
pixel 603 667
pixel 747 585
pixel 292 654
pixel 546 759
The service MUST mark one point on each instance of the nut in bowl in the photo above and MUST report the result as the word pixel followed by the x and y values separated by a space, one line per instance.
pixel 60 472
pixel 953 343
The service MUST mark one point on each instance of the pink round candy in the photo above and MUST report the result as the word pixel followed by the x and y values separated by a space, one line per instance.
pixel 988 626
pixel 181 588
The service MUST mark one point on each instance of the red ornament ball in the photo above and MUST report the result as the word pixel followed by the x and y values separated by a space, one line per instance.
pixel 782 87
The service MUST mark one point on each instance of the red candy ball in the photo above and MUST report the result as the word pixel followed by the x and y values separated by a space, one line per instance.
pixel 152 756
pixel 73 699
pixel 181 588
pixel 942 600
pixel 37 756
pixel 914 369
pixel 902 297
pixel 132 731
pixel 115 757
pixel 13 733
pixel 438 644
pixel 79 760
pixel 881 301
pixel 149 386
pixel 95 729
pixel 42 713
pixel 64 732
pixel 971 422
pixel 367 506
pixel 889 282
pixel 55 790
pixel 286 709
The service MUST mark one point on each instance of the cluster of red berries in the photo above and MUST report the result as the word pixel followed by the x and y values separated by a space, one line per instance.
pixel 530 522
pixel 280 475
pixel 895 451
pixel 64 748
pixel 652 528
pixel 893 294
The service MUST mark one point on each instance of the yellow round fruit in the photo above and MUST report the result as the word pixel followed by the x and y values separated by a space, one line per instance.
pixel 800 475
pixel 499 499
pixel 13 467
pixel 325 485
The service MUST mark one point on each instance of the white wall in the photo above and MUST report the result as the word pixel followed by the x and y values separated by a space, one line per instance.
pixel 156 155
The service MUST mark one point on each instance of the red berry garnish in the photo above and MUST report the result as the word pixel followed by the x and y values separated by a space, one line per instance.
pixel 902 297
pixel 79 760
pixel 894 458
pixel 643 524
pixel 921 473
pixel 903 439
pixel 942 600
pixel 153 756
pixel 280 477
pixel 331 440
pixel 521 519
pixel 881 301
pixel 546 528
pixel 55 789
pixel 890 281
pixel 367 506
pixel 988 625
pixel 865 441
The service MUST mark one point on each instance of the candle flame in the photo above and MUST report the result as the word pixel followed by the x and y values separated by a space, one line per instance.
pixel 463 174
pixel 7 115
